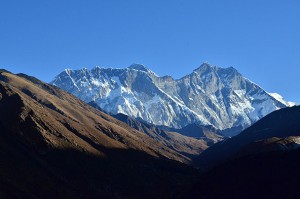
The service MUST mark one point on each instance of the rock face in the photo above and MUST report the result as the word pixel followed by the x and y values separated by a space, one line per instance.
pixel 210 95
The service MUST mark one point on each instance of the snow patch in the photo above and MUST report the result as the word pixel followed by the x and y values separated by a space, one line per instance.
pixel 281 99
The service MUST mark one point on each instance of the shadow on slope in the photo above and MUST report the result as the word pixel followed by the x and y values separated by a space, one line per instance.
pixel 67 173
pixel 53 145
pixel 267 175
pixel 262 162
pixel 281 124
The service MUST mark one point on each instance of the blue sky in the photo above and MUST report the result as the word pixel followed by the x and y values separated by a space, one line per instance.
pixel 259 38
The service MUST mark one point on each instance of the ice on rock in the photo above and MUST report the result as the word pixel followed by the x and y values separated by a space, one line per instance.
pixel 210 95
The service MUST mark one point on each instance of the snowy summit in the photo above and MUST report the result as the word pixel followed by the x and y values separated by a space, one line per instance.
pixel 210 95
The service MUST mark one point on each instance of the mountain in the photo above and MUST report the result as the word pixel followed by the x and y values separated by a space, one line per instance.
pixel 189 141
pixel 54 145
pixel 207 133
pixel 261 162
pixel 281 99
pixel 188 146
pixel 276 131
pixel 220 97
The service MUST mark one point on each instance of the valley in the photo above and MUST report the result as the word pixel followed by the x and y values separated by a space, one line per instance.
pixel 71 149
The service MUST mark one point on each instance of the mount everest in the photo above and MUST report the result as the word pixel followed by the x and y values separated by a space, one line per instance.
pixel 210 95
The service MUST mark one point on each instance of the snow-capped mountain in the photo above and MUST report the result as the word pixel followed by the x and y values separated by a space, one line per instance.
pixel 282 100
pixel 210 95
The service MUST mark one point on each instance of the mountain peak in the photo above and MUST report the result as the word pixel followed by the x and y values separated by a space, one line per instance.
pixel 68 71
pixel 227 71
pixel 215 96
pixel 208 67
pixel 140 67
pixel 231 69
pixel 204 67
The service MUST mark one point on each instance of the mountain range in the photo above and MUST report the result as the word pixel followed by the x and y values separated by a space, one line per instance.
pixel 210 95
pixel 53 145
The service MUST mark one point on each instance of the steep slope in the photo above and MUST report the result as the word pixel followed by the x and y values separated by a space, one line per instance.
pixel 185 145
pixel 189 141
pixel 68 149
pixel 276 129
pixel 209 95
pixel 261 162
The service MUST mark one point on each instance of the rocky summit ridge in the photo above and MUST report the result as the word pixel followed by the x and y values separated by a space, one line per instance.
pixel 210 95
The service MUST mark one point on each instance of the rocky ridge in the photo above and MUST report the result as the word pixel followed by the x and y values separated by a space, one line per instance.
pixel 210 95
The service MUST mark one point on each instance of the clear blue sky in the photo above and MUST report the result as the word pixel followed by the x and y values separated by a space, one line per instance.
pixel 260 38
